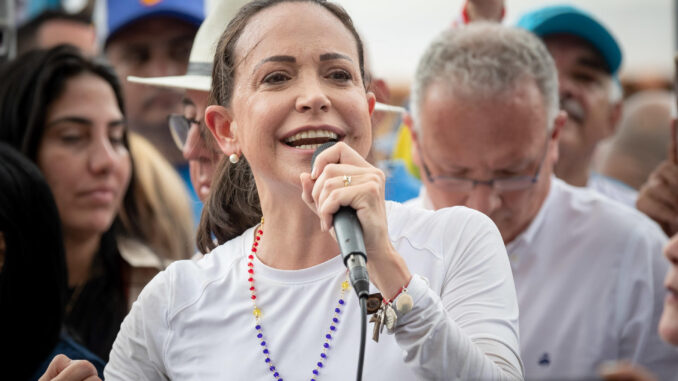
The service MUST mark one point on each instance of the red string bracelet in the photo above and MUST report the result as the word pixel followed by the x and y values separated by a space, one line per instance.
pixel 387 301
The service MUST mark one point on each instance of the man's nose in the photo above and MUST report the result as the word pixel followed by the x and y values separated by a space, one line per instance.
pixel 566 87
pixel 194 144
pixel 483 198
pixel 162 64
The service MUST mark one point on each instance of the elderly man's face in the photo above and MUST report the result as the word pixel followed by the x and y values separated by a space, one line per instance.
pixel 200 150
pixel 585 87
pixel 488 138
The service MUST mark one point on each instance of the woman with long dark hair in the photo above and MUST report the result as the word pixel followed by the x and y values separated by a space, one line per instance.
pixel 33 279
pixel 65 113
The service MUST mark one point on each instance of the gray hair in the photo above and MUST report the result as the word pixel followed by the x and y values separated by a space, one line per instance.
pixel 486 59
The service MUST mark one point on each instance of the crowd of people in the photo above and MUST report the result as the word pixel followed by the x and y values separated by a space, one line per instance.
pixel 160 218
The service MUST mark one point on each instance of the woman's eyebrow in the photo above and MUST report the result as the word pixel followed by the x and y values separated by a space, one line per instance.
pixel 334 56
pixel 71 119
pixel 117 122
pixel 85 121
pixel 275 59
pixel 290 59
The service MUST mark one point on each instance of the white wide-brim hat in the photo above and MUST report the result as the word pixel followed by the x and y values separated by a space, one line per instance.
pixel 199 72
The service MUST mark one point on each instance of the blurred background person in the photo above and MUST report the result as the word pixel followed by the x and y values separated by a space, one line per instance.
pixel 33 278
pixel 56 27
pixel 641 141
pixel 66 114
pixel 187 128
pixel 588 58
pixel 486 123
pixel 162 218
pixel 153 39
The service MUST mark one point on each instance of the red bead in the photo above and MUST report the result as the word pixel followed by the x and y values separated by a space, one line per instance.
pixel 250 264
pixel 250 271
pixel 250 280
pixel 258 238
pixel 254 297
pixel 252 288
pixel 256 244
pixel 254 249
pixel 251 256
pixel 261 232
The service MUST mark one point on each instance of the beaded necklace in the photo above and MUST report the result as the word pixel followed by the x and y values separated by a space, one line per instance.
pixel 257 316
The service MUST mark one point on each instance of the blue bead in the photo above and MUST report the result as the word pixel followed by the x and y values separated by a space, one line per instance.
pixel 258 327
pixel 267 359
pixel 341 301
pixel 263 343
pixel 313 379
pixel 328 336
pixel 335 320
pixel 265 351
pixel 315 372
pixel 260 335
pixel 320 364
pixel 333 328
pixel 337 310
pixel 275 374
pixel 272 368
pixel 326 345
pixel 323 355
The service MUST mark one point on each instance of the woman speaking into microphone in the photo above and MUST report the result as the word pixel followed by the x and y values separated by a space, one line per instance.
pixel 273 301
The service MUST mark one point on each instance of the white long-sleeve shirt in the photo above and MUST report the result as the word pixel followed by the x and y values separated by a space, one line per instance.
pixel 589 275
pixel 194 321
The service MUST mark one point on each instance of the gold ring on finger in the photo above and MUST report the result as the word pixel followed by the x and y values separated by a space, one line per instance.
pixel 347 180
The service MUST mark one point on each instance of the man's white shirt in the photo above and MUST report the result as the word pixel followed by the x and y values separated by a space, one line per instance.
pixel 589 276
pixel 613 188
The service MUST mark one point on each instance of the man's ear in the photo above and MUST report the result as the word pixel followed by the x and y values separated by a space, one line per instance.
pixel 408 121
pixel 220 122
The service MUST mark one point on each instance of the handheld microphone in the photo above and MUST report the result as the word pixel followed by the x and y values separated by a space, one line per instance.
pixel 349 235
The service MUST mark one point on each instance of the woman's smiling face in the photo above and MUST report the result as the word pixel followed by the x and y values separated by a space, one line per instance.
pixel 297 84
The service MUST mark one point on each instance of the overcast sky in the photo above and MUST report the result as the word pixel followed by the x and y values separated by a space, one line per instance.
pixel 397 31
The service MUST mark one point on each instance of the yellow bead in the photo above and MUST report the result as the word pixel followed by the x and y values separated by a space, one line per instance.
pixel 256 312
pixel 345 285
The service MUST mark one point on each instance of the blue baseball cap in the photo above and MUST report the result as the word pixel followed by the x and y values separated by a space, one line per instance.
pixel 566 19
pixel 121 13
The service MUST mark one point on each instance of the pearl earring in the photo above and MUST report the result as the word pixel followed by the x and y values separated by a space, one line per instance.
pixel 234 158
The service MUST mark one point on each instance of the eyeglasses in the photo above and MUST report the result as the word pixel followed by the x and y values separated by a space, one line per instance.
pixel 460 184
pixel 179 126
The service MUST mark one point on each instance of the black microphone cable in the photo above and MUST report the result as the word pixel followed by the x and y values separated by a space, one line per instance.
pixel 363 336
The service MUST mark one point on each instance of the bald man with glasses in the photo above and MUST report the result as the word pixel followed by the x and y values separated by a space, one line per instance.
pixel 588 271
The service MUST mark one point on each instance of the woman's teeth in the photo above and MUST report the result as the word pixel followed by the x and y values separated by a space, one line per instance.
pixel 311 139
